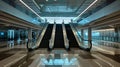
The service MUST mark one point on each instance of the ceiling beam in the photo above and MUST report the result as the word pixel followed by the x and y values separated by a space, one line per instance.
pixel 58 14
pixel 111 19
pixel 11 20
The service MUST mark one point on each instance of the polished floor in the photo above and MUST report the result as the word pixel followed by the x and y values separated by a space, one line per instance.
pixel 19 57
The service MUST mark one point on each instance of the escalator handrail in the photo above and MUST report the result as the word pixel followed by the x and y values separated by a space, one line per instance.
pixel 89 41
pixel 66 40
pixel 83 38
pixel 52 39
pixel 34 41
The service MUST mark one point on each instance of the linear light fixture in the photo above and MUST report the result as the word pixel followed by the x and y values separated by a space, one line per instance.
pixel 36 4
pixel 111 29
pixel 30 8
pixel 87 8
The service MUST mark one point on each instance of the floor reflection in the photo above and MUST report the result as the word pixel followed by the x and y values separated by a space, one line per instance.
pixel 58 59
pixel 62 61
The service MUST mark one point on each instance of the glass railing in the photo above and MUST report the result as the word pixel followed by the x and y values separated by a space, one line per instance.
pixel 85 44
pixel 31 44
pixel 34 42
pixel 106 43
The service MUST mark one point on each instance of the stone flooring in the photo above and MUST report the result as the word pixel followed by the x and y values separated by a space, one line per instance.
pixel 19 57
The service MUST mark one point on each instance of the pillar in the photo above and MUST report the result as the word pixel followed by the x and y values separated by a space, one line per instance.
pixel 89 37
pixel 11 38
pixel 26 36
pixel 82 33
pixel 19 38
pixel 29 44
pixel 82 37
pixel 30 34
pixel 116 34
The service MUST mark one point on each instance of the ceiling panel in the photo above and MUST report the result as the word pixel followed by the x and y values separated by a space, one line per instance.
pixel 59 8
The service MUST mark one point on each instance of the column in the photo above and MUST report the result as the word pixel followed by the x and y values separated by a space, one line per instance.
pixel 37 34
pixel 29 44
pixel 116 33
pixel 82 33
pixel 26 36
pixel 82 37
pixel 19 39
pixel 119 34
pixel 89 38
pixel 11 38
pixel 30 34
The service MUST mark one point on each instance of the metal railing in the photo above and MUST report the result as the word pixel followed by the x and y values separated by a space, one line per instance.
pixel 83 44
pixel 66 41
pixel 40 37
pixel 35 43
pixel 52 39
pixel 86 44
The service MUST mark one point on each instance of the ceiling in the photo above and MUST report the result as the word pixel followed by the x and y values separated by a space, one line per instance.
pixel 59 8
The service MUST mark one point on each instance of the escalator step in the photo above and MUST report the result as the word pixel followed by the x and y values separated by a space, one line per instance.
pixel 71 37
pixel 59 41
pixel 45 41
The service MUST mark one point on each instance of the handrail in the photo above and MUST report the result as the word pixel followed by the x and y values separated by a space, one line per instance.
pixel 52 39
pixel 79 42
pixel 33 44
pixel 81 37
pixel 30 44
pixel 40 37
pixel 66 41
pixel 89 41
pixel 75 35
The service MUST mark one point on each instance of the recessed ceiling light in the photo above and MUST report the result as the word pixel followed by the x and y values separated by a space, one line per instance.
pixel 46 0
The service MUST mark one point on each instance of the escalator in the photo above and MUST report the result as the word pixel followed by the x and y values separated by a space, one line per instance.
pixel 59 40
pixel 45 41
pixel 72 41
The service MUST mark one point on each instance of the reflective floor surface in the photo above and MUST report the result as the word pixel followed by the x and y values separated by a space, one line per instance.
pixel 19 57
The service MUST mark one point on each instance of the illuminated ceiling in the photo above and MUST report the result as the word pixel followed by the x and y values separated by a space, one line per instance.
pixel 59 8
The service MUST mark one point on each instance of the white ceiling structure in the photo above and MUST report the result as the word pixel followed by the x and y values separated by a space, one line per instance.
pixel 58 10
